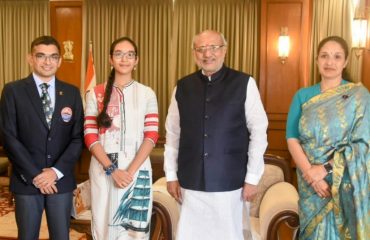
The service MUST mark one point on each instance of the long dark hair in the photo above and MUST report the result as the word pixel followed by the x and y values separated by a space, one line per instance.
pixel 344 45
pixel 103 118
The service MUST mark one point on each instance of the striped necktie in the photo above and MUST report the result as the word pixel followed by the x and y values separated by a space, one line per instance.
pixel 46 103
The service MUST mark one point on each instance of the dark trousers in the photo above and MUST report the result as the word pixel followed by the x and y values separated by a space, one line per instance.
pixel 28 213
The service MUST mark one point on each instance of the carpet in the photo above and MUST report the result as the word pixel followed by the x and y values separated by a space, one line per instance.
pixel 8 228
pixel 5 207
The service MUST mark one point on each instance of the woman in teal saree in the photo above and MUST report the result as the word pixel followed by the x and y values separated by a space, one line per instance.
pixel 328 134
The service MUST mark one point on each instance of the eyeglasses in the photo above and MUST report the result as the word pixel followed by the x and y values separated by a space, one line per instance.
pixel 128 55
pixel 211 48
pixel 40 57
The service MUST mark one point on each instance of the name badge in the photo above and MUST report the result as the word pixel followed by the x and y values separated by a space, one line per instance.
pixel 66 114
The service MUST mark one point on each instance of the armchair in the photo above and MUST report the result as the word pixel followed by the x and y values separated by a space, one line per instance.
pixel 276 203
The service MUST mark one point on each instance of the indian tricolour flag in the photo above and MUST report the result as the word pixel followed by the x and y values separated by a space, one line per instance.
pixel 90 80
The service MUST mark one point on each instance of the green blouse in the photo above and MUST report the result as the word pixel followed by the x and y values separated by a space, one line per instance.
pixel 295 110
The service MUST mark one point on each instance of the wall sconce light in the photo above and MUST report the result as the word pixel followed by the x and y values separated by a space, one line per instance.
pixel 359 35
pixel 283 44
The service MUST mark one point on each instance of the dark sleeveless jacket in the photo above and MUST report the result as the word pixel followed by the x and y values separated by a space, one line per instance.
pixel 213 148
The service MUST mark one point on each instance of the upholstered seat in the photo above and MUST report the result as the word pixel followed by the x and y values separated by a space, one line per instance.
pixel 169 211
pixel 276 202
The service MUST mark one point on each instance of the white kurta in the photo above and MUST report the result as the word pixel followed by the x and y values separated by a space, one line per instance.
pixel 217 215
pixel 122 213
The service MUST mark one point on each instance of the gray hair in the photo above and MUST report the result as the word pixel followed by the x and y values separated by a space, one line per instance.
pixel 211 31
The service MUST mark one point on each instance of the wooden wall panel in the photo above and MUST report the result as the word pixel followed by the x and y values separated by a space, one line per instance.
pixel 279 82
pixel 366 68
pixel 283 85
pixel 66 25
pixel 366 56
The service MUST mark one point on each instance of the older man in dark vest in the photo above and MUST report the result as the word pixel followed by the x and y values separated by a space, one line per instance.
pixel 216 137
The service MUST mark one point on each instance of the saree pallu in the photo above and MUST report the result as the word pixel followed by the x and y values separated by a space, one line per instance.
pixel 335 125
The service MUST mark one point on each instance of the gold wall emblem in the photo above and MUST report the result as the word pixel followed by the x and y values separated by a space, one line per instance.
pixel 68 47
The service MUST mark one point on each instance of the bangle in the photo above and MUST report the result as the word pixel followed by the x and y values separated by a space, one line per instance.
pixel 110 169
pixel 328 167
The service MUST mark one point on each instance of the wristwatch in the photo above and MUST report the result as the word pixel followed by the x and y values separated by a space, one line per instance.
pixel 328 167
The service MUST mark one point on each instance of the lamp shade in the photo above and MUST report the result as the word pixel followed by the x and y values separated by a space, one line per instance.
pixel 284 46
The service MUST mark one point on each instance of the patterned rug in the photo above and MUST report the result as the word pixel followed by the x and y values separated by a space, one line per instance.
pixel 5 207
pixel 7 217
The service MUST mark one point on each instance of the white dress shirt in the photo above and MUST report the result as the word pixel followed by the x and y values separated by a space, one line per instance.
pixel 51 91
pixel 256 120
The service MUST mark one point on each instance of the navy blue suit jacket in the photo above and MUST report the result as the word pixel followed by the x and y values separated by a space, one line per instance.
pixel 30 144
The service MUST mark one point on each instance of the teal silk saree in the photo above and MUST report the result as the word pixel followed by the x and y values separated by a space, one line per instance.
pixel 336 125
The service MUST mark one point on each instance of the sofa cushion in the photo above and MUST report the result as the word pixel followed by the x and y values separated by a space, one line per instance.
pixel 272 174
pixel 82 201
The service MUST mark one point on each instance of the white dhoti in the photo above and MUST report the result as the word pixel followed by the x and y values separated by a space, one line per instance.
pixel 212 216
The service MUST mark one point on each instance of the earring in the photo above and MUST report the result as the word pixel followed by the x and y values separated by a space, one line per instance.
pixel 135 68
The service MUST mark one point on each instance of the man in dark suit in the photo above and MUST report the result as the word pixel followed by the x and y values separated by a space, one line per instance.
pixel 42 128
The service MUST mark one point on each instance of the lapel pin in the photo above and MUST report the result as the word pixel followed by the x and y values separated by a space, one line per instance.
pixel 60 93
